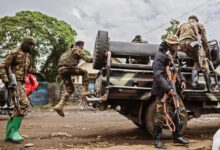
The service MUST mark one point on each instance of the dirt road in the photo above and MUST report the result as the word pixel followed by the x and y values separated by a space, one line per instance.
pixel 106 130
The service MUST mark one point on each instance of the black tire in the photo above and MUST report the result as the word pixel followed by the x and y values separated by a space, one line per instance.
pixel 101 45
pixel 150 114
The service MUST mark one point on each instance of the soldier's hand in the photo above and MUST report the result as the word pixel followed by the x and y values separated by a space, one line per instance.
pixel 171 92
pixel 183 85
pixel 41 75
pixel 8 85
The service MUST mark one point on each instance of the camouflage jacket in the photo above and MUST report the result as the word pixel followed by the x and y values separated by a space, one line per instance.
pixel 20 64
pixel 72 57
pixel 186 31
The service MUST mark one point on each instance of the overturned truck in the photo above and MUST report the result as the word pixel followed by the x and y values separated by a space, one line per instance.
pixel 127 87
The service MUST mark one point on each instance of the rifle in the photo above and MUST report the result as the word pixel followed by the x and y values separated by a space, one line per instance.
pixel 199 43
pixel 13 89
pixel 202 54
pixel 171 81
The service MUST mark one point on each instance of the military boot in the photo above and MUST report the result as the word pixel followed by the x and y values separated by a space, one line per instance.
pixel 177 138
pixel 59 107
pixel 8 129
pixel 208 82
pixel 157 133
pixel 14 132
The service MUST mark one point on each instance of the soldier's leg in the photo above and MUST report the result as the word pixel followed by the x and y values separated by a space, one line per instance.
pixel 177 138
pixel 84 74
pixel 69 89
pixel 13 125
pixel 207 77
pixel 158 123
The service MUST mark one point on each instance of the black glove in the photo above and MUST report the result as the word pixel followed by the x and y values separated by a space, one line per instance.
pixel 41 75
pixel 8 85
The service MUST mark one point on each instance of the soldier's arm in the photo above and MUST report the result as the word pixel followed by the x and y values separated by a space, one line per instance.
pixel 84 56
pixel 5 66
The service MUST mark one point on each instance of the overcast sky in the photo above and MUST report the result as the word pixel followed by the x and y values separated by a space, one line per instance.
pixel 123 19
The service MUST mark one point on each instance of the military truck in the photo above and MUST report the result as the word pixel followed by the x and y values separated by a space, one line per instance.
pixel 127 87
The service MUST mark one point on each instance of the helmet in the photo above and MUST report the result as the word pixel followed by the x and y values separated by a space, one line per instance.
pixel 172 39
pixel 193 17
pixel 28 39
pixel 79 43
pixel 137 36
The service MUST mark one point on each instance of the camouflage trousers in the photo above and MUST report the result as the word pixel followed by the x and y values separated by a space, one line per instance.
pixel 159 116
pixel 24 102
pixel 65 74
pixel 193 53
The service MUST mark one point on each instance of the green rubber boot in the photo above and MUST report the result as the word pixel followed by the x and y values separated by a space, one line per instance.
pixel 15 135
pixel 8 129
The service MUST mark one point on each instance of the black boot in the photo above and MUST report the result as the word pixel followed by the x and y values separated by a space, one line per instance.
pixel 157 133
pixel 177 138
pixel 208 82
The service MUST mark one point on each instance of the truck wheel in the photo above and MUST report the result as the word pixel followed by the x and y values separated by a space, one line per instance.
pixel 101 45
pixel 150 114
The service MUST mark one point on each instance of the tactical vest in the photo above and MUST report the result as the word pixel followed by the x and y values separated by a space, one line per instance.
pixel 69 59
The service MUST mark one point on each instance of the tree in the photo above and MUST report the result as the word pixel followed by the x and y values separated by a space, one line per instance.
pixel 52 37
pixel 171 29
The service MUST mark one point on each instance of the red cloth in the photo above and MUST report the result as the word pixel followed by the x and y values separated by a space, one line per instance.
pixel 31 84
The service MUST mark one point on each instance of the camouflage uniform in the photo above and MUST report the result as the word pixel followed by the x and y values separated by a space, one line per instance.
pixel 161 87
pixel 67 67
pixel 186 36
pixel 20 64
pixel 159 118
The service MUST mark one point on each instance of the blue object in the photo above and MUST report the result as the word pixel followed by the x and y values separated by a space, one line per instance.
pixel 40 96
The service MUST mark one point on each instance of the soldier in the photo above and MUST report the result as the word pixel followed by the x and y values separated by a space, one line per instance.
pixel 18 61
pixel 138 39
pixel 161 87
pixel 190 35
pixel 67 67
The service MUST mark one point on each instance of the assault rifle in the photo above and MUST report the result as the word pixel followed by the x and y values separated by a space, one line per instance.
pixel 171 79
pixel 14 90
pixel 202 54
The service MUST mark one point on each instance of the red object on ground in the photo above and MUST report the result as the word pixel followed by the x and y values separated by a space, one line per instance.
pixel 31 84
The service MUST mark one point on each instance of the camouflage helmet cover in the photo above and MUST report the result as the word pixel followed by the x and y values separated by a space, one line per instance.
pixel 172 39
pixel 193 17
pixel 28 39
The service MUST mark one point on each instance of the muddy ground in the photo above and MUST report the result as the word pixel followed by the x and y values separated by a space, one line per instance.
pixel 106 130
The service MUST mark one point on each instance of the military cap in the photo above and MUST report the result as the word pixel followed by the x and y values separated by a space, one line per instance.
pixel 137 36
pixel 79 43
pixel 172 39
pixel 28 39
pixel 193 17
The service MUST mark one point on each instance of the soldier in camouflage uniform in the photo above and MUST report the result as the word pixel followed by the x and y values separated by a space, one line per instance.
pixel 189 44
pixel 19 62
pixel 67 67
pixel 161 87
pixel 138 39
